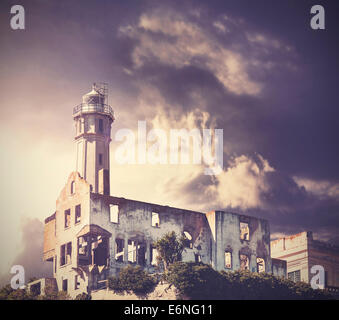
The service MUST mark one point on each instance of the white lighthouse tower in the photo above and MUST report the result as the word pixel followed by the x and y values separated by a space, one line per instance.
pixel 93 119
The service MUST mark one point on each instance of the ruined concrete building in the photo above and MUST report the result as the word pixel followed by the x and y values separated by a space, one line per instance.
pixel 92 235
pixel 302 252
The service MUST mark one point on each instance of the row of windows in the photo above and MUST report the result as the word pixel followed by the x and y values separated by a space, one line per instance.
pixel 155 222
pixel 114 216
pixel 244 262
pixel 136 251
pixel 76 282
pixel 99 126
pixel 77 217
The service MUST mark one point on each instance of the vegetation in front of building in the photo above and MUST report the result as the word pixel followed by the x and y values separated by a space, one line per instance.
pixel 133 280
pixel 193 280
pixel 201 281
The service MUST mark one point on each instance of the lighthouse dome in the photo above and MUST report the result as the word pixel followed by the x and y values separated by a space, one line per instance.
pixel 93 97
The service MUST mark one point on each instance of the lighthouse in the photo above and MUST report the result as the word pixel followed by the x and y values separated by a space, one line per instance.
pixel 93 120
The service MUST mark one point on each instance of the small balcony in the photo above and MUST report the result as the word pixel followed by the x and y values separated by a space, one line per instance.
pixel 93 108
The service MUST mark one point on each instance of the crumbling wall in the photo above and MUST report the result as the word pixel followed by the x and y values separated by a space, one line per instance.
pixel 135 224
pixel 225 228
pixel 123 231
pixel 49 238
pixel 76 192
pixel 42 286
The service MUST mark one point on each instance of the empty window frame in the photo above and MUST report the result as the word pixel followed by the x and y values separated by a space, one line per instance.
pixel 228 260
pixel 132 251
pixel 84 252
pixel 141 253
pixel 67 218
pixel 154 255
pixel 188 240
pixel 77 213
pixel 197 257
pixel 101 125
pixel 63 255
pixel 244 231
pixel 36 289
pixel 136 252
pixel 155 220
pixel 261 265
pixel 66 253
pixel 72 187
pixel 100 250
pixel 79 125
pixel 76 282
pixel 244 262
pixel 294 276
pixel 119 250
pixel 69 252
pixel 100 159
pixel 83 246
pixel 64 285
pixel 114 213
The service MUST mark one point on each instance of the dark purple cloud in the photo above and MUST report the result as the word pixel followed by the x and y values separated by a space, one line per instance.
pixel 292 123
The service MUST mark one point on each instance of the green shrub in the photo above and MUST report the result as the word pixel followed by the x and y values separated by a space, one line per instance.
pixel 83 296
pixel 52 294
pixel 132 280
pixel 201 281
pixel 195 280
pixel 7 293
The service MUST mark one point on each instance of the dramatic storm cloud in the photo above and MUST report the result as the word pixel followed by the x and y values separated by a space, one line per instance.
pixel 252 68
pixel 29 253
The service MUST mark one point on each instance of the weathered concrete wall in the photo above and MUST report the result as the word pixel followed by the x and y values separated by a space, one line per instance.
pixel 135 223
pixel 226 229
pixel 211 233
pixel 66 201
pixel 49 238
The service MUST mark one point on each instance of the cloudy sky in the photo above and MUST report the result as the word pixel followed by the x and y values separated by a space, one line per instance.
pixel 252 68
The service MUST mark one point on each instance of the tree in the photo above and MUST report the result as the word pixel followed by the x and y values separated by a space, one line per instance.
pixel 169 248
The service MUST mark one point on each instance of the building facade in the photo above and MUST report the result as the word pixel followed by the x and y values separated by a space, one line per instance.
pixel 92 235
pixel 301 252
